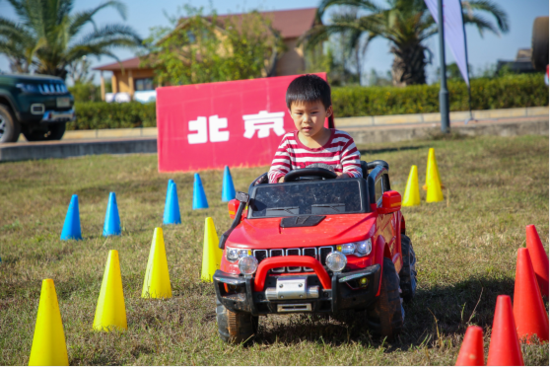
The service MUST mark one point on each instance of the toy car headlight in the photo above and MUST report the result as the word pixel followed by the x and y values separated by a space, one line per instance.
pixel 248 265
pixel 336 261
pixel 363 248
pixel 346 248
pixel 234 254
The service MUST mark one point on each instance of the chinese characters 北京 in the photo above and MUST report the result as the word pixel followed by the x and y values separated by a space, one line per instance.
pixel 262 122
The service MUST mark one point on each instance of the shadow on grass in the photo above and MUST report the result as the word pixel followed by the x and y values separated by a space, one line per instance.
pixel 436 314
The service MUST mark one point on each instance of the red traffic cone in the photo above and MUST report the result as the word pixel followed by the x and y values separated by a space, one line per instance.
pixel 504 349
pixel 529 312
pixel 471 352
pixel 538 258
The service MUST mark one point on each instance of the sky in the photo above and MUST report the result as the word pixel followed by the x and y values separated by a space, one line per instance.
pixel 482 51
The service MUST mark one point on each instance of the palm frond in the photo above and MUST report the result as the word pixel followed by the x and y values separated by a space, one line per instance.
pixel 481 23
pixel 113 31
pixel 13 30
pixel 98 49
pixel 490 7
pixel 360 4
pixel 78 20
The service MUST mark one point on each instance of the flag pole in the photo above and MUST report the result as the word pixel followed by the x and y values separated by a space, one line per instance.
pixel 443 92
pixel 467 66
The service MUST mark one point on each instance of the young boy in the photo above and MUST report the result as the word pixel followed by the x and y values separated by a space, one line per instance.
pixel 309 103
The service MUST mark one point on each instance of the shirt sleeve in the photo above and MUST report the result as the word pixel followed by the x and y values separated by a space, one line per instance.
pixel 281 162
pixel 351 160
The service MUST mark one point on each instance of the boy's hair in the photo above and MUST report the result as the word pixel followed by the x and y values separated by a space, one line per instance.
pixel 308 88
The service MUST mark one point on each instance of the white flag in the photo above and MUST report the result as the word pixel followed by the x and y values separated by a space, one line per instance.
pixel 453 28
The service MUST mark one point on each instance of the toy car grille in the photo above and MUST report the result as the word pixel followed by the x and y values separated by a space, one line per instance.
pixel 260 255
pixel 273 253
pixel 52 88
pixel 323 253
pixel 297 252
pixel 309 252
pixel 320 254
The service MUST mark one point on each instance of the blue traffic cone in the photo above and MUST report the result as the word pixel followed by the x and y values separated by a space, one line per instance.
pixel 112 219
pixel 71 228
pixel 172 207
pixel 228 189
pixel 199 197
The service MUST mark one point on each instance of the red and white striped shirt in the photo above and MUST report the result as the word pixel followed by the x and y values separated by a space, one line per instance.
pixel 339 152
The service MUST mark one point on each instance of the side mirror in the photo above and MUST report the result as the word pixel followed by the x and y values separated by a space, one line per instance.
pixel 242 197
pixel 391 202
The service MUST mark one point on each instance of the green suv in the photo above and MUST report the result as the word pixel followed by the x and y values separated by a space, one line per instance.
pixel 36 105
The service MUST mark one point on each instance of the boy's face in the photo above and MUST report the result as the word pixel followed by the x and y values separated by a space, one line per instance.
pixel 309 117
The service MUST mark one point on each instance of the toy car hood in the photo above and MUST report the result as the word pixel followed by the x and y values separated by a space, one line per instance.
pixel 267 233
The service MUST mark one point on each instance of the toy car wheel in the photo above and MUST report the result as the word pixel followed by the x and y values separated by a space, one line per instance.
pixel 9 126
pixel 407 275
pixel 384 315
pixel 235 327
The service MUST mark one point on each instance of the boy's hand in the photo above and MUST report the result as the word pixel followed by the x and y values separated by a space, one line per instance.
pixel 281 179
pixel 341 175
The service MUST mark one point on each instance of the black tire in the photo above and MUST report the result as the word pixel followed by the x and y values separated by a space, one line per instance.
pixel 407 275
pixel 54 131
pixel 235 327
pixel 10 128
pixel 384 315
pixel 539 43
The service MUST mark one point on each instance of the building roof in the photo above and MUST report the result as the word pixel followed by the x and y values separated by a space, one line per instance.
pixel 132 63
pixel 291 24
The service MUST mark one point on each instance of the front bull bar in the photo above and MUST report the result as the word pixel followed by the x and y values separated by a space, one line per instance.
pixel 291 260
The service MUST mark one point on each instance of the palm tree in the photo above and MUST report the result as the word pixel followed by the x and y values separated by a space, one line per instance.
pixel 405 23
pixel 47 37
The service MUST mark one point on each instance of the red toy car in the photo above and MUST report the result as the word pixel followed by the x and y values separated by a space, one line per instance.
pixel 315 244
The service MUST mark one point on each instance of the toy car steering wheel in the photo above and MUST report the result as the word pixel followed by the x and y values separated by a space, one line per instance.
pixel 309 174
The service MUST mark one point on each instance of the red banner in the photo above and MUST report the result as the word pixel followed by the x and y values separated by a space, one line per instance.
pixel 238 123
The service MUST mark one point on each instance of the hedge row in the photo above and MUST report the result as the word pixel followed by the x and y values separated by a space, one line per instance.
pixel 510 91
pixel 102 115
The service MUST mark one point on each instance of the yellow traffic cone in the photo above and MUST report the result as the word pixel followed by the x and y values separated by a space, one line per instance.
pixel 111 311
pixel 211 253
pixel 157 279
pixel 412 193
pixel 48 344
pixel 434 193
pixel 432 162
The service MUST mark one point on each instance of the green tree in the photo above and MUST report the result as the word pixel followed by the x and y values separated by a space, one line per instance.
pixel 204 49
pixel 47 37
pixel 405 23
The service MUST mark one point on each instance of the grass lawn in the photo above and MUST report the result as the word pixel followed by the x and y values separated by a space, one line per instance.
pixel 466 250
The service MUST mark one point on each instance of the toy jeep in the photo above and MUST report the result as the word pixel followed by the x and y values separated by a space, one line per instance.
pixel 315 244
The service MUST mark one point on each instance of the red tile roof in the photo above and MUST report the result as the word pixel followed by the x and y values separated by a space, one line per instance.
pixel 291 24
pixel 132 63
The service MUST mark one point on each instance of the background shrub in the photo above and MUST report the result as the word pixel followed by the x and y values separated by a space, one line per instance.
pixel 85 92
pixel 103 115
pixel 509 91
pixel 526 90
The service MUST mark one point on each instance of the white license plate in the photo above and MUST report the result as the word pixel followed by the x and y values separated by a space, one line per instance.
pixel 63 102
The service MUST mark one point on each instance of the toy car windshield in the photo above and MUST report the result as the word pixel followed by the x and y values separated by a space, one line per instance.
pixel 309 198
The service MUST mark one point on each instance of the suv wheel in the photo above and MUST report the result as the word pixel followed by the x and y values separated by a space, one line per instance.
pixel 384 315
pixel 54 131
pixel 407 275
pixel 235 327
pixel 9 126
